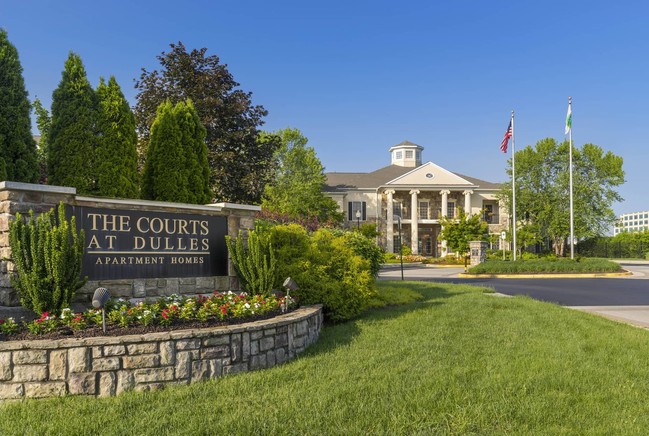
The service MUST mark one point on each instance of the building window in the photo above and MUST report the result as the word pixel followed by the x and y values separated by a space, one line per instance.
pixel 423 210
pixel 408 154
pixel 396 209
pixel 356 206
pixel 450 209
pixel 398 155
pixel 418 155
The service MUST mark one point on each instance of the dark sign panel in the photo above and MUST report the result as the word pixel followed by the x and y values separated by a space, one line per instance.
pixel 129 244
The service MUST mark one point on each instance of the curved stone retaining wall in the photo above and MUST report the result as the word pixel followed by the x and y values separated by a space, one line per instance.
pixel 106 366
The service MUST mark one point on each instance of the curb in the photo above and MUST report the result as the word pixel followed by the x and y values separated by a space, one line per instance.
pixel 544 276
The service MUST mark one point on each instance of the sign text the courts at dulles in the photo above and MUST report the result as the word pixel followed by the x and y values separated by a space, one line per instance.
pixel 126 244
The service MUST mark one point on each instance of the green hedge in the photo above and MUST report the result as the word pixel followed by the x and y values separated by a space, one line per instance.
pixel 549 265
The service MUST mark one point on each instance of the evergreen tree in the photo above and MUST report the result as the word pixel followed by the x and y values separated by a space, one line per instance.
pixel 197 165
pixel 17 146
pixel 72 136
pixel 43 122
pixel 176 166
pixel 116 153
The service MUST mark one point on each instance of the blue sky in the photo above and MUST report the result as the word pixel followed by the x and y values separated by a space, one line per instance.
pixel 357 77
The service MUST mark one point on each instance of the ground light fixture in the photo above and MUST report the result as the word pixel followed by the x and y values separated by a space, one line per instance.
pixel 99 300
pixel 290 285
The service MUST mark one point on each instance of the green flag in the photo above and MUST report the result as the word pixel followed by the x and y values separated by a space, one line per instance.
pixel 569 117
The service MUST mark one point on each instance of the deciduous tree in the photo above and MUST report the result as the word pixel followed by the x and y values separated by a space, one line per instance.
pixel 459 231
pixel 17 147
pixel 297 185
pixel 239 163
pixel 543 194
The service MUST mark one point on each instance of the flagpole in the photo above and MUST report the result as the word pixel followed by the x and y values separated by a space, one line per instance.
pixel 513 188
pixel 572 217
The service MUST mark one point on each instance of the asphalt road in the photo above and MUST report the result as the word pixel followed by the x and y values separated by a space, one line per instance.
pixel 627 291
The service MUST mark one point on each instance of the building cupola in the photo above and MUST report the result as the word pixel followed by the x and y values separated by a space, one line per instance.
pixel 406 154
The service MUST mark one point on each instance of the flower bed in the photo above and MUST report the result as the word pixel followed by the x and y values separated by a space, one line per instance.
pixel 109 365
pixel 173 312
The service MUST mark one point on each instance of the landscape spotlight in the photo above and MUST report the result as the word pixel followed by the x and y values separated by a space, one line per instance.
pixel 99 300
pixel 290 285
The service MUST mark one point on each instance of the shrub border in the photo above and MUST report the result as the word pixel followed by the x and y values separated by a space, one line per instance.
pixel 107 366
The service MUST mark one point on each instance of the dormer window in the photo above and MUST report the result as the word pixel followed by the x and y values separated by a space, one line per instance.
pixel 408 154
pixel 398 155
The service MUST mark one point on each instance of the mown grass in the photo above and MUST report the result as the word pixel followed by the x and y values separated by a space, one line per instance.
pixel 458 361
pixel 549 265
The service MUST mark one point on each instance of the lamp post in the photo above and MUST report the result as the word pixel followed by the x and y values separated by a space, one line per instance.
pixel 358 219
pixel 398 218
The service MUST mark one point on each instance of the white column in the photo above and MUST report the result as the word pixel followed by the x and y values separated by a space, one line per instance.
pixel 444 193
pixel 467 201
pixel 389 234
pixel 414 220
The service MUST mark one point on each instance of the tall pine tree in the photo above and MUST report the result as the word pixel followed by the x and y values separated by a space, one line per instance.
pixel 72 136
pixel 116 153
pixel 176 167
pixel 17 146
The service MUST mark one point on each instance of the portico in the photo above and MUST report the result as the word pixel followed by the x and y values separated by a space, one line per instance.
pixel 420 194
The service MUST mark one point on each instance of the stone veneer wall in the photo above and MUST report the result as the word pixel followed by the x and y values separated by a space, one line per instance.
pixel 22 197
pixel 107 366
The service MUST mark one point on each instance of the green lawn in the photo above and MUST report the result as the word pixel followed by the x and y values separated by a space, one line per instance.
pixel 456 361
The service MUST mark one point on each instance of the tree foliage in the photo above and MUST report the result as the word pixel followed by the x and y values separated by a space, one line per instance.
pixel 239 163
pixel 458 232
pixel 296 188
pixel 543 194
pixel 43 122
pixel 18 160
pixel 116 153
pixel 176 167
pixel 73 136
pixel 48 256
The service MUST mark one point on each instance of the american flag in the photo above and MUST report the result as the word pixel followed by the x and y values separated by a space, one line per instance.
pixel 508 134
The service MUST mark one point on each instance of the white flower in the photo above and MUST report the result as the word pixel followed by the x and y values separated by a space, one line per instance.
pixel 247 306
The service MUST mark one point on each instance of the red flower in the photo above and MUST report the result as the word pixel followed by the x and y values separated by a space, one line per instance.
pixel 2 321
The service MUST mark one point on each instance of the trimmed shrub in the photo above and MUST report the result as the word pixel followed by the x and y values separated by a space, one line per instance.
pixel 254 262
pixel 326 269
pixel 367 249
pixel 48 256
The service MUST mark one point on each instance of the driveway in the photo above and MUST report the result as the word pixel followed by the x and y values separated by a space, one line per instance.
pixel 622 298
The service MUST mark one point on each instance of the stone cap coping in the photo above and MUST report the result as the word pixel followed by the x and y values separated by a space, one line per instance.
pixel 278 321
pixel 218 207
pixel 49 189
